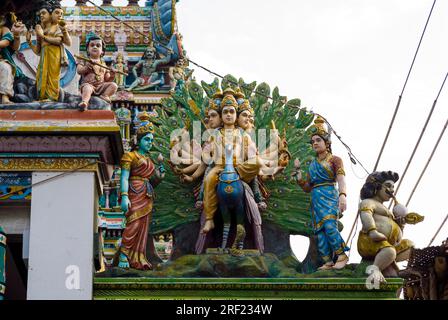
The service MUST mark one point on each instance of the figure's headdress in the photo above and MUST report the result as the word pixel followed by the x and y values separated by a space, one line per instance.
pixel 319 129
pixel 51 5
pixel 93 36
pixel 382 176
pixel 8 19
pixel 243 103
pixel 146 126
pixel 229 99
pixel 145 129
pixel 215 102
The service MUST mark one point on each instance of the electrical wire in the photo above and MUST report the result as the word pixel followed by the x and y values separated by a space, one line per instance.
pixel 427 162
pixel 402 90
pixel 420 137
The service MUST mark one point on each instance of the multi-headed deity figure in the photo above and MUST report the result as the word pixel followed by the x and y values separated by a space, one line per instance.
pixel 228 149
pixel 380 239
pixel 139 176
pixel 96 78
pixel 51 36
pixel 9 42
pixel 230 165
pixel 327 202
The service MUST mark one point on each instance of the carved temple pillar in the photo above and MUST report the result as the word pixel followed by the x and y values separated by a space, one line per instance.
pixel 106 196
pixel 70 156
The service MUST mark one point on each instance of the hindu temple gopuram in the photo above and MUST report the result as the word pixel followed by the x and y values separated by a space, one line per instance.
pixel 122 176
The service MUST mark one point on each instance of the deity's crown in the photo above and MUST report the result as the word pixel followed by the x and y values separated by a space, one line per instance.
pixel 319 128
pixel 229 99
pixel 145 129
pixel 146 125
pixel 143 116
pixel 92 35
pixel 243 103
pixel 215 101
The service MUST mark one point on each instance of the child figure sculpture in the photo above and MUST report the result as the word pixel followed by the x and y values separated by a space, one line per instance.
pixel 95 79
pixel 51 36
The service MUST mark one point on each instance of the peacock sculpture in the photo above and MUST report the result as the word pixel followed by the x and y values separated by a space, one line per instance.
pixel 287 211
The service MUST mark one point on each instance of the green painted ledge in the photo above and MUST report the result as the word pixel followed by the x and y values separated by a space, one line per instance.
pixel 242 288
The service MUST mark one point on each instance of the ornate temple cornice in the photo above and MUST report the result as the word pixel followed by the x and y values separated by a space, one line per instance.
pixel 48 164
pixel 82 20
pixel 33 140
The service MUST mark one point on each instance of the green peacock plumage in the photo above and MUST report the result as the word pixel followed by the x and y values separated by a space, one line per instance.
pixel 288 205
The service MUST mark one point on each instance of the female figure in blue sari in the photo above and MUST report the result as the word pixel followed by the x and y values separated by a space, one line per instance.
pixel 326 201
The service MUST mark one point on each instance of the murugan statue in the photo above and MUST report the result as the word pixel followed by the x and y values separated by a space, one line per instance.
pixel 96 78
pixel 139 176
pixel 380 239
pixel 230 165
pixel 148 78
pixel 9 42
pixel 239 141
pixel 51 36
pixel 327 203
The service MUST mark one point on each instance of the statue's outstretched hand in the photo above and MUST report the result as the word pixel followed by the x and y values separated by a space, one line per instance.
pixel 262 206
pixel 186 179
pixel 377 236
pixel 296 174
pixel 342 203
pixel 39 31
pixel 199 205
pixel 125 203
pixel 28 37
pixel 17 28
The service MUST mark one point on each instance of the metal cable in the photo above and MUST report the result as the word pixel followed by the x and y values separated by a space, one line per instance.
pixel 402 90
pixel 427 162
pixel 420 137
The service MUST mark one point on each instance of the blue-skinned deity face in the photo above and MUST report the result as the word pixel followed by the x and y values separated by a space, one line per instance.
pixel 145 143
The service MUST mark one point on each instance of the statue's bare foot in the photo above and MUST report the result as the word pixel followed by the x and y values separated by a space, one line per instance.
pixel 326 266
pixel 5 99
pixel 83 106
pixel 209 225
pixel 341 262
pixel 377 276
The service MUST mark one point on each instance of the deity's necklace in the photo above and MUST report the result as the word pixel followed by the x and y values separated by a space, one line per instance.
pixel 96 70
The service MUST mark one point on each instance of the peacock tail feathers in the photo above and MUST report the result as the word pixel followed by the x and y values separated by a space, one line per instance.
pixel 287 204
pixel 211 88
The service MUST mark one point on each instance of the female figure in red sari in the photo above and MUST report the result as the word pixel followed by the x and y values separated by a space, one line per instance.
pixel 138 176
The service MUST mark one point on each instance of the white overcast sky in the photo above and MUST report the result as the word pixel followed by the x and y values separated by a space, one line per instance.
pixel 346 59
